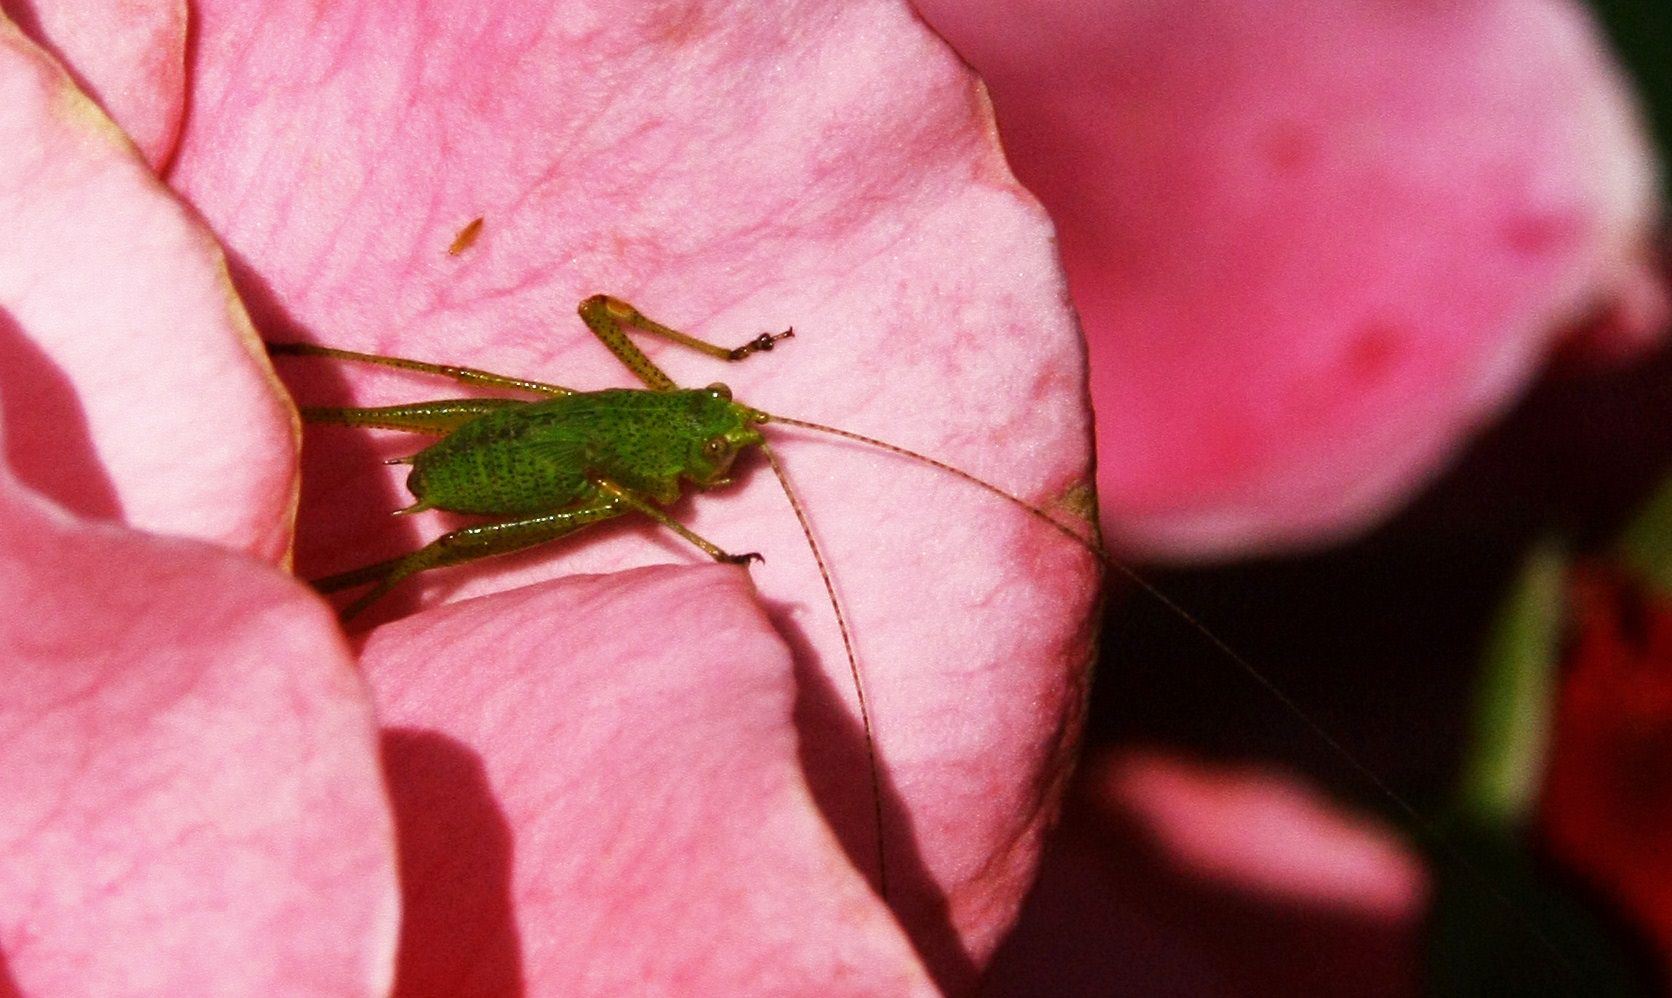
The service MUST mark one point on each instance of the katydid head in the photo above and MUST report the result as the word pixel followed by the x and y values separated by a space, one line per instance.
pixel 725 428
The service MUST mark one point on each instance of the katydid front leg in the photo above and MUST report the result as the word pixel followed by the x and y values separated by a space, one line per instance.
pixel 606 316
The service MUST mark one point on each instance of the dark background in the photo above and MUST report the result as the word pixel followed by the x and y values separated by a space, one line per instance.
pixel 1377 640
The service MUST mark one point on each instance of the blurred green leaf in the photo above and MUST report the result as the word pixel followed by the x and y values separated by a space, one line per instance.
pixel 1646 544
pixel 1504 766
pixel 1503 922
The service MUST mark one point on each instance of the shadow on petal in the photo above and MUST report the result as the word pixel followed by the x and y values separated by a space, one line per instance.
pixel 458 934
pixel 48 445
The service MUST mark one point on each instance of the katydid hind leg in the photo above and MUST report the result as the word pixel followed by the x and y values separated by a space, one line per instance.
pixel 503 537
pixel 465 545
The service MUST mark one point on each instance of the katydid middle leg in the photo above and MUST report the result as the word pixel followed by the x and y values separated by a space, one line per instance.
pixel 463 375
pixel 435 418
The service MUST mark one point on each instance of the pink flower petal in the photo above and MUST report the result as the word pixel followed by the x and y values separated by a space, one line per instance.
pixel 619 805
pixel 1314 244
pixel 1169 877
pixel 731 170
pixel 1267 833
pixel 189 795
pixel 132 381
pixel 128 55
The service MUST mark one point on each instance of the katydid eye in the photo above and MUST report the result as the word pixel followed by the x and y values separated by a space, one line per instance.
pixel 720 392
pixel 715 448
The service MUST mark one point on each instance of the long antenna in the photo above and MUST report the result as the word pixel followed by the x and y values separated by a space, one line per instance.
pixel 1419 821
pixel 853 664
pixel 1143 584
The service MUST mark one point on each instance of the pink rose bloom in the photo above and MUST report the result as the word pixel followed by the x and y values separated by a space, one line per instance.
pixel 609 766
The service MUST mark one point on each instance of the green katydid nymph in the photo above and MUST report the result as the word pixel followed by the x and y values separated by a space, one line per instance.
pixel 539 470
